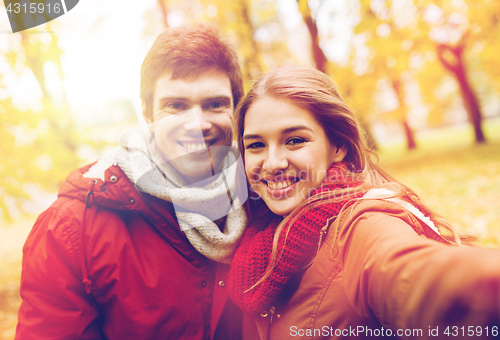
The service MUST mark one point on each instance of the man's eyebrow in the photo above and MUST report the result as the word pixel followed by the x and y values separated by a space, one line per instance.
pixel 217 97
pixel 162 100
pixel 284 131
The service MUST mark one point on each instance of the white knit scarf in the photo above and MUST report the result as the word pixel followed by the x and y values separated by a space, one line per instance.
pixel 196 205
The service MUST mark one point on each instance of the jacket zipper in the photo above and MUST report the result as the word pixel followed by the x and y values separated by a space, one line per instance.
pixel 175 228
pixel 271 314
pixel 155 210
pixel 271 311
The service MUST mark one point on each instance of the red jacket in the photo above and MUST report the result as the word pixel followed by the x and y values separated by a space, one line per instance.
pixel 133 274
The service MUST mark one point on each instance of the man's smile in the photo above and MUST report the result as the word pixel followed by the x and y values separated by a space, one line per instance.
pixel 197 145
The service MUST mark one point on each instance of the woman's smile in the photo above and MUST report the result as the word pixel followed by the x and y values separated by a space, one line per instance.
pixel 282 188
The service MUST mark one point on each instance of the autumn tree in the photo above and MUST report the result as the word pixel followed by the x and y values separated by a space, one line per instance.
pixel 464 35
pixel 390 41
pixel 319 57
pixel 484 34
pixel 252 26
pixel 38 140
pixel 452 58
pixel 344 75
pixel 451 27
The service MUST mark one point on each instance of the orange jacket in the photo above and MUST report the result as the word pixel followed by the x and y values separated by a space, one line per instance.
pixel 379 273
pixel 145 279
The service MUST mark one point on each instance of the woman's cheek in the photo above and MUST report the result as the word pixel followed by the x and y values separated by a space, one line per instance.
pixel 249 165
pixel 305 161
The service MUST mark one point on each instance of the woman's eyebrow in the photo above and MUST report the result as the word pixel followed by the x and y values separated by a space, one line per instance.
pixel 295 128
pixel 283 132
pixel 253 136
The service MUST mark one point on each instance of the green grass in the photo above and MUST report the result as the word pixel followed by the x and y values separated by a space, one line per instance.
pixel 441 140
pixel 456 177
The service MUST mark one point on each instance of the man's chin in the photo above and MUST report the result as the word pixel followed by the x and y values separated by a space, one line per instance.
pixel 197 166
pixel 194 172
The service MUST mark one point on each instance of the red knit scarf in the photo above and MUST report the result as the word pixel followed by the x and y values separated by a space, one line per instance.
pixel 253 255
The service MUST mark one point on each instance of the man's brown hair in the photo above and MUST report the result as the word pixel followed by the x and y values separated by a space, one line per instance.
pixel 187 51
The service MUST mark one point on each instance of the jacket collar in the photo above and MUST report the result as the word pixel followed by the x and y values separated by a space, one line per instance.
pixel 115 191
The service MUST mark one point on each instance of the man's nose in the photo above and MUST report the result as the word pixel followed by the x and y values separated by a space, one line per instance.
pixel 276 160
pixel 197 119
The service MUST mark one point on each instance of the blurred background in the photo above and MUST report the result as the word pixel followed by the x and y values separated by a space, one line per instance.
pixel 422 75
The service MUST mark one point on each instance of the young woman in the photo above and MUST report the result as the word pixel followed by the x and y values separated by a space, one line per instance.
pixel 337 248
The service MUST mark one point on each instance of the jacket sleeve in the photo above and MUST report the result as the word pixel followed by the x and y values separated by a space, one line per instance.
pixel 410 282
pixel 54 303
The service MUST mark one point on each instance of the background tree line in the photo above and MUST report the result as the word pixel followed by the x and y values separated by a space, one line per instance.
pixel 415 64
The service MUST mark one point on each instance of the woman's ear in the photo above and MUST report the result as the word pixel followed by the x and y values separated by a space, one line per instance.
pixel 339 154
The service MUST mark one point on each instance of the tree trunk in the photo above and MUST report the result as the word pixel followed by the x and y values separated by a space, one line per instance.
pixel 164 12
pixel 410 138
pixel 457 68
pixel 252 67
pixel 318 55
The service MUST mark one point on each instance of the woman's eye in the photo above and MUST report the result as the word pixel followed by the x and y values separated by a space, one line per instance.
pixel 255 145
pixel 296 141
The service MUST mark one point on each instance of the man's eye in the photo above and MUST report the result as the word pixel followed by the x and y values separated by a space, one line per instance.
pixel 255 145
pixel 175 106
pixel 216 105
pixel 296 141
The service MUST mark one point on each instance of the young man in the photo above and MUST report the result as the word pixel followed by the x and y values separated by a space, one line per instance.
pixel 137 245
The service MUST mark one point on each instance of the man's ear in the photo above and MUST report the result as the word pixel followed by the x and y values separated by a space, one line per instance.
pixel 145 114
pixel 339 154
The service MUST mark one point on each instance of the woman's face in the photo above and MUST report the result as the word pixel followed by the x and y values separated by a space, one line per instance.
pixel 287 153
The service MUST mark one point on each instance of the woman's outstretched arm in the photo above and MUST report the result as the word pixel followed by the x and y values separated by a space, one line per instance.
pixel 410 282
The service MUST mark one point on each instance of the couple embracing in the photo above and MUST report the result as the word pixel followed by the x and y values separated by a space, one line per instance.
pixel 298 232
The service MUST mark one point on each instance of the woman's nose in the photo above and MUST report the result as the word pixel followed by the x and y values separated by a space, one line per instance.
pixel 276 160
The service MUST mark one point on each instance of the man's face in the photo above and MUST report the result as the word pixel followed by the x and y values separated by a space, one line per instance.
pixel 192 122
